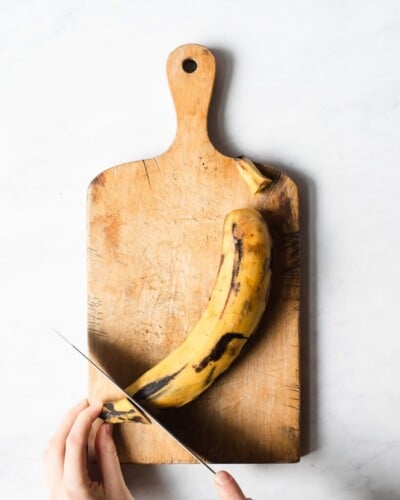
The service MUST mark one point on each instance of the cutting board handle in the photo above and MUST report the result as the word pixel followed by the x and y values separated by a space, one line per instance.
pixel 191 74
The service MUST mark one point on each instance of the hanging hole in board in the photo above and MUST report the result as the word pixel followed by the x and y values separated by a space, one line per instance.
pixel 189 65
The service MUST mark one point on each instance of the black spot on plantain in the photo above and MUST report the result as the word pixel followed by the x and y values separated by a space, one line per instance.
pixel 235 287
pixel 209 377
pixel 247 306
pixel 153 387
pixel 218 350
pixel 221 261
pixel 238 242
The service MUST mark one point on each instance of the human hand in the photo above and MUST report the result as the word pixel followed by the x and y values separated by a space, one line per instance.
pixel 227 487
pixel 66 459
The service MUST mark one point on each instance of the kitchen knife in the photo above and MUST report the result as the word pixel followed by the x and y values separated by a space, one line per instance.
pixel 148 416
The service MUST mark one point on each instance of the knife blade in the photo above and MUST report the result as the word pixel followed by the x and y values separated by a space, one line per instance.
pixel 138 406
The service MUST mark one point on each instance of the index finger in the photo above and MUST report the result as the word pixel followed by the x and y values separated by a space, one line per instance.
pixel 75 462
pixel 58 440
pixel 54 455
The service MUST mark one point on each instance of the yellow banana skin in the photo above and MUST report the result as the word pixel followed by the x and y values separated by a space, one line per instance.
pixel 232 314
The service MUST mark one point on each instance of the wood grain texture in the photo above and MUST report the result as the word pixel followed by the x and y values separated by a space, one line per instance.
pixel 154 237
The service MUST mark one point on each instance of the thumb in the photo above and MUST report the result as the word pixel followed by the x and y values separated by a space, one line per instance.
pixel 227 487
pixel 110 468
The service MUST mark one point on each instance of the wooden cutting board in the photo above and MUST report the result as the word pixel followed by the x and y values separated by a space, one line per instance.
pixel 154 237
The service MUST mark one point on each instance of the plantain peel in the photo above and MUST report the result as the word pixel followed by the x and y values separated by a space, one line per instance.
pixel 231 316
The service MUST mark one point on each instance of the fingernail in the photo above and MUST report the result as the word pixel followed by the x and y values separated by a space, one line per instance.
pixel 109 429
pixel 222 478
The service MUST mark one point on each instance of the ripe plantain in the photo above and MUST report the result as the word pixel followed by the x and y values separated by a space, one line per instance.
pixel 232 314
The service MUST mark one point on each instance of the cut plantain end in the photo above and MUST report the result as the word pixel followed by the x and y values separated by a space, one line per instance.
pixel 124 411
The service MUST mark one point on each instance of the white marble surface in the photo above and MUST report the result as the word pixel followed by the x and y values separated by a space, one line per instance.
pixel 313 86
